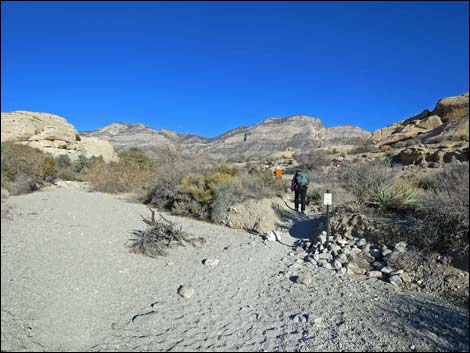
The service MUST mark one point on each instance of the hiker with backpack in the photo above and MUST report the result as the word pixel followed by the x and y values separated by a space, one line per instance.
pixel 299 186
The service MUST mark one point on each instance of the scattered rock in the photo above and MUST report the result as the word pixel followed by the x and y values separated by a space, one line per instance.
pixel 395 280
pixel 337 264
pixel 314 319
pixel 405 277
pixel 304 279
pixel 374 274
pixel 211 262
pixel 186 293
pixel 354 269
pixel 401 246
pixel 375 253
pixel 387 270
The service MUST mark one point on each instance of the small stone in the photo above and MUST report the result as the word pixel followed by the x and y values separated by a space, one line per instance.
pixel 354 269
pixel 314 319
pixel 337 264
pixel 397 272
pixel 186 293
pixel 325 256
pixel 361 242
pixel 374 274
pixel 405 277
pixel 412 347
pixel 379 265
pixel 395 280
pixel 375 253
pixel 304 279
pixel 365 248
pixel 387 270
pixel 342 270
pixel 211 262
pixel 401 246
pixel 386 252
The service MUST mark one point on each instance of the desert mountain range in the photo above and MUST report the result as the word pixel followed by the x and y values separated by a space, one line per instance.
pixel 428 138
pixel 272 135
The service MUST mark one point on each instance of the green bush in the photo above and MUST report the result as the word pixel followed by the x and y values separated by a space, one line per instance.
pixel 362 178
pixel 196 192
pixel 313 160
pixel 24 168
pixel 252 184
pixel 132 173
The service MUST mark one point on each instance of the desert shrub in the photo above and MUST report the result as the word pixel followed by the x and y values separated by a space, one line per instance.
pixel 362 177
pixel 159 236
pixel 63 162
pixel 366 148
pixel 445 208
pixel 66 169
pixel 196 192
pixel 170 168
pixel 135 158
pixel 131 173
pixel 49 167
pixel 407 143
pixel 313 160
pixel 252 183
pixel 24 168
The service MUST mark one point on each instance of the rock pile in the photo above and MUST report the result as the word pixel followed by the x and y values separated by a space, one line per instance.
pixel 355 256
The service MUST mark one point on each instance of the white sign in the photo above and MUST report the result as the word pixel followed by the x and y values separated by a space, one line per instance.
pixel 327 199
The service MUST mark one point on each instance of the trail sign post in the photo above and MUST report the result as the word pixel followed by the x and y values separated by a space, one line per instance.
pixel 327 200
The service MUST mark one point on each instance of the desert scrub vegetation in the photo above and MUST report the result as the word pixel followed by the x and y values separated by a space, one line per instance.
pixel 159 236
pixel 196 192
pixel 444 209
pixel 248 184
pixel 24 168
pixel 313 160
pixel 431 212
pixel 132 173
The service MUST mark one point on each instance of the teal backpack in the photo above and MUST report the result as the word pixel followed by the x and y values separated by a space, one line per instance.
pixel 302 179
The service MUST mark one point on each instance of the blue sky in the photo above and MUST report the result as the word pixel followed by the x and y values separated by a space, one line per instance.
pixel 207 67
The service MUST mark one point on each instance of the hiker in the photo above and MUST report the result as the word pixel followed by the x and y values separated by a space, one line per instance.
pixel 278 173
pixel 299 185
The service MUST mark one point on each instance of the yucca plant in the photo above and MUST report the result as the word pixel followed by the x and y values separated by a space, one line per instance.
pixel 392 197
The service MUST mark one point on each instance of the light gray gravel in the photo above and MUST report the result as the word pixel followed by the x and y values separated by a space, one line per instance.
pixel 69 284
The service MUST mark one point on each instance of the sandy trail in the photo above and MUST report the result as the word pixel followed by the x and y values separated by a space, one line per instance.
pixel 70 284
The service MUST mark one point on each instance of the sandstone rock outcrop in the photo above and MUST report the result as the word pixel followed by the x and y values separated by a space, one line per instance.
pixel 52 134
pixel 431 137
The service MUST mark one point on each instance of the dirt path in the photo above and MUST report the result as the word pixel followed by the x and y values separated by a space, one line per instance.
pixel 69 284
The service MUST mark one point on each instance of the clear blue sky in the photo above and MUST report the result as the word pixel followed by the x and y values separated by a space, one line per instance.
pixel 207 67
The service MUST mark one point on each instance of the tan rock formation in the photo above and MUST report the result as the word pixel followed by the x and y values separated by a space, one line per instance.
pixel 51 134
